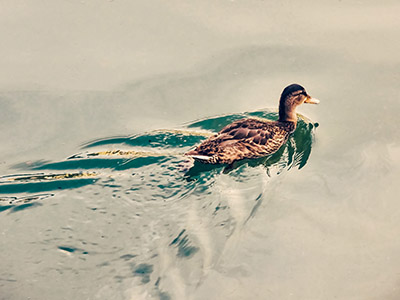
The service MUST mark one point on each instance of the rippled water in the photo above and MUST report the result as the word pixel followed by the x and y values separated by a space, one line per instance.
pixel 144 189
pixel 97 200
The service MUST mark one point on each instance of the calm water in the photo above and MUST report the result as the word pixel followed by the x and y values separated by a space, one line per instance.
pixel 99 102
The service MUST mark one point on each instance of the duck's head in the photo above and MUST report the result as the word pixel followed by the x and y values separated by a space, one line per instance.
pixel 292 96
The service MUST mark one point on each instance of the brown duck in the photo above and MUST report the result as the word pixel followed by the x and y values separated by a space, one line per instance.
pixel 252 138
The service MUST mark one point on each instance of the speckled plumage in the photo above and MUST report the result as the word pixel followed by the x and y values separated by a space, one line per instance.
pixel 252 138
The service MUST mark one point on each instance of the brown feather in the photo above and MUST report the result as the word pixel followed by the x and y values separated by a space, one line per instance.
pixel 246 138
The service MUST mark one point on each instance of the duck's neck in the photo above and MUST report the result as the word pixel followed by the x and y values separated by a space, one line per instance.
pixel 287 114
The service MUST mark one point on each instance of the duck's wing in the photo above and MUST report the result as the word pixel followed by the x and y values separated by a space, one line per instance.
pixel 247 138
pixel 252 147
pixel 253 130
pixel 248 127
pixel 244 129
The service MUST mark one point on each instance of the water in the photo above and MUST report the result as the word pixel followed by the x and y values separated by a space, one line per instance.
pixel 100 101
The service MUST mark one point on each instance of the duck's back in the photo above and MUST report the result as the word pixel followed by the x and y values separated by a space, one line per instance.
pixel 246 138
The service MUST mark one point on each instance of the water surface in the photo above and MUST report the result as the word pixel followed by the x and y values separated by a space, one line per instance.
pixel 100 101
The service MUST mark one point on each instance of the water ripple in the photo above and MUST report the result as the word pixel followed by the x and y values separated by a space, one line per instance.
pixel 171 211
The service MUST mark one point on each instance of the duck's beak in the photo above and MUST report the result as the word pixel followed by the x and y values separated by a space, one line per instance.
pixel 311 100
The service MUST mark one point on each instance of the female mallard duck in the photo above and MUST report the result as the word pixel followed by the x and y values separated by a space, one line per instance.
pixel 252 138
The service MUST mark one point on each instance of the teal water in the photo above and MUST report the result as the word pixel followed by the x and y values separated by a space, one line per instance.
pixel 98 103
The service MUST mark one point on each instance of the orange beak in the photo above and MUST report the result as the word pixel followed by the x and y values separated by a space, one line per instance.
pixel 311 100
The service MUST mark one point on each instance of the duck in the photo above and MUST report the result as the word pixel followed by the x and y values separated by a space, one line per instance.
pixel 251 138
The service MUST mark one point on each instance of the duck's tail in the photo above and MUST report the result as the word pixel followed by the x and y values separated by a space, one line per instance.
pixel 195 155
pixel 201 157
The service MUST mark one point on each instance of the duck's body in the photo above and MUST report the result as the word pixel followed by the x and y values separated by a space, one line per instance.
pixel 252 138
pixel 246 138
